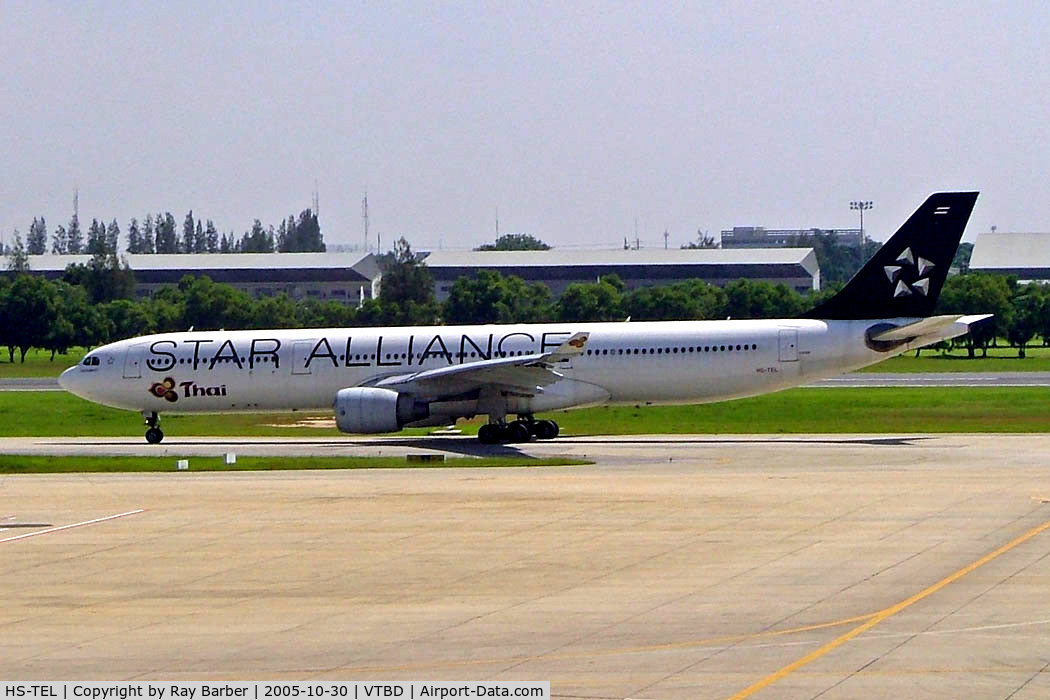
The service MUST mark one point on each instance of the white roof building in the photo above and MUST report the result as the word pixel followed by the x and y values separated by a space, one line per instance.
pixel 1026 255
pixel 795 267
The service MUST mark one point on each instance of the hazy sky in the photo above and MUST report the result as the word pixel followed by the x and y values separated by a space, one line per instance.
pixel 574 119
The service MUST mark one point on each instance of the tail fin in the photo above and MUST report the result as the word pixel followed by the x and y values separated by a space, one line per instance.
pixel 905 276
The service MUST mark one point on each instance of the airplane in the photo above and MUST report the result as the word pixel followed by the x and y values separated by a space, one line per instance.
pixel 380 380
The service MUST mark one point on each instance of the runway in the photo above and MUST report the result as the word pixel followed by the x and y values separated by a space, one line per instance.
pixel 674 567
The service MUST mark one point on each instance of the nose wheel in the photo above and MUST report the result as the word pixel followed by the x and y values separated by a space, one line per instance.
pixel 153 434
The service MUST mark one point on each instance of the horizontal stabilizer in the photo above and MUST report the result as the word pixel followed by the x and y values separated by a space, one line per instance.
pixel 924 332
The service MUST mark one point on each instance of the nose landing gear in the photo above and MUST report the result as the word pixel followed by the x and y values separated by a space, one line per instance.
pixel 153 434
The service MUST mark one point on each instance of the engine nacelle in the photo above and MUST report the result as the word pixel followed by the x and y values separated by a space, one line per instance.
pixel 371 410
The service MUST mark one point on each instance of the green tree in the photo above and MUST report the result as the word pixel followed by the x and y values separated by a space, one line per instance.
pixel 211 306
pixel 962 257
pixel 167 240
pixel 149 240
pixel 185 244
pixel 17 257
pixel 488 297
pixel 211 237
pixel 515 241
pixel 407 280
pixel 258 240
pixel 113 238
pixel 36 242
pixel 759 299
pixel 978 293
pixel 692 299
pixel 74 237
pixel 1028 306
pixel 274 312
pixel 96 239
pixel 126 319
pixel 60 241
pixel 597 301
pixel 29 310
pixel 134 237
pixel 703 240
pixel 104 277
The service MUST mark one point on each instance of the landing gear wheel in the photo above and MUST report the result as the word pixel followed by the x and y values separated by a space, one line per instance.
pixel 545 429
pixel 489 434
pixel 154 436
pixel 518 431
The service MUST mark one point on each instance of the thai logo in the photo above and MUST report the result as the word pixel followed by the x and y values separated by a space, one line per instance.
pixel 578 342
pixel 164 389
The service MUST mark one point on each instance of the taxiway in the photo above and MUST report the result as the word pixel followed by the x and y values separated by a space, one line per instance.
pixel 674 567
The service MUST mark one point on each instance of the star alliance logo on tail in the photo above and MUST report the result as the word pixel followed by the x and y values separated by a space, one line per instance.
pixel 911 267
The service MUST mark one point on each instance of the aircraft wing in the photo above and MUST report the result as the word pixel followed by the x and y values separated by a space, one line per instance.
pixel 932 329
pixel 524 373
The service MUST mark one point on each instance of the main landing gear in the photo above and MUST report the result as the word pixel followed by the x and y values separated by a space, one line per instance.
pixel 521 430
pixel 153 434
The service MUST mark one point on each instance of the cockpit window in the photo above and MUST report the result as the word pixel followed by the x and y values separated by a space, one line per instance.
pixel 91 361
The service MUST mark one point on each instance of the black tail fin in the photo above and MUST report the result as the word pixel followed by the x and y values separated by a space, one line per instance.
pixel 905 276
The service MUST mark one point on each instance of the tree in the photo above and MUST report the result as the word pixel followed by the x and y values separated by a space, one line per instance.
pixel 113 238
pixel 211 237
pixel 17 257
pixel 600 301
pixel 167 239
pixel 274 312
pixel 302 236
pixel 74 237
pixel 126 319
pixel 105 278
pixel 36 242
pixel 185 244
pixel 691 299
pixel 759 299
pixel 962 257
pixel 211 306
pixel 488 297
pixel 29 311
pixel 134 237
pixel 407 289
pixel 978 292
pixel 96 240
pixel 703 240
pixel 258 240
pixel 60 241
pixel 1028 306
pixel 148 244
pixel 515 241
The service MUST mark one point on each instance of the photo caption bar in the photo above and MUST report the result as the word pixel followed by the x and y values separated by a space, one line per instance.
pixel 272 690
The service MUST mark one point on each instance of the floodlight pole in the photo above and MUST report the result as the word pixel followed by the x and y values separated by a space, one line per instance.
pixel 861 206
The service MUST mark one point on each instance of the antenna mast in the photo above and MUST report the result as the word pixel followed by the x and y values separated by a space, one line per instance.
pixel 364 215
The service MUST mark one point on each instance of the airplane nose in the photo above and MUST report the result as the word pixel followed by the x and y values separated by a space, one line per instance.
pixel 66 379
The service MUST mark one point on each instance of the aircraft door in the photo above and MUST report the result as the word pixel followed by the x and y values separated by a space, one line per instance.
pixel 788 350
pixel 300 354
pixel 133 361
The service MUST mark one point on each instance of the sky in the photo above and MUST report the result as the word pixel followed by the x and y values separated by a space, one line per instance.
pixel 577 122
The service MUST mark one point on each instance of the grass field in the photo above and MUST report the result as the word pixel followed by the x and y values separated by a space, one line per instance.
pixel 862 410
pixel 38 363
pixel 1000 359
pixel 19 464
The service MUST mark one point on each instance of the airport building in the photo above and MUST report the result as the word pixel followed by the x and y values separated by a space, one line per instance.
pixel 758 237
pixel 1026 255
pixel 346 277
pixel 795 267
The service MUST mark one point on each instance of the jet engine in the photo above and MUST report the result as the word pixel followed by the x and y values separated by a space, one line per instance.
pixel 371 410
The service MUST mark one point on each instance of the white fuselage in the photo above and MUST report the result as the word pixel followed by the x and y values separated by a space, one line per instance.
pixel 625 362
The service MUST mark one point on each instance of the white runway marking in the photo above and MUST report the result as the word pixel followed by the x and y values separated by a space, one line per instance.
pixel 69 527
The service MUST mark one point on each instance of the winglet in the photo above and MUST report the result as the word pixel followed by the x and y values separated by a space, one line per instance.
pixel 570 348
